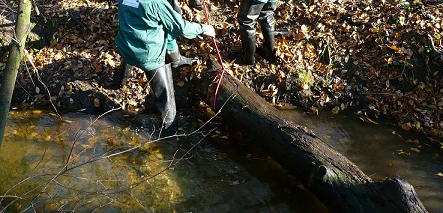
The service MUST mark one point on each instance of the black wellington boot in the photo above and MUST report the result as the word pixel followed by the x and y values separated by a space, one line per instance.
pixel 267 22
pixel 269 45
pixel 268 49
pixel 248 47
pixel 177 60
pixel 164 99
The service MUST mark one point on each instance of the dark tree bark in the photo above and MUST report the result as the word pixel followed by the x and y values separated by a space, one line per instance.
pixel 335 180
pixel 17 46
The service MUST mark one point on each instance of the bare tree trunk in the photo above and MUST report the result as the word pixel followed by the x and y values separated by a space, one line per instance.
pixel 22 29
pixel 334 179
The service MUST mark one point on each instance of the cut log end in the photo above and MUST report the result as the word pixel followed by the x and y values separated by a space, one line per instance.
pixel 402 194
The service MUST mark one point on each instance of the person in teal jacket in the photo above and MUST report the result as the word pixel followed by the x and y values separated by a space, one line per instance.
pixel 250 12
pixel 147 30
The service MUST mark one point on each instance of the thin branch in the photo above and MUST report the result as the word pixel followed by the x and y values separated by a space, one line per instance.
pixel 11 196
pixel 64 169
pixel 107 155
pixel 5 5
pixel 7 25
pixel 37 11
pixel 44 85
pixel 89 126
pixel 29 74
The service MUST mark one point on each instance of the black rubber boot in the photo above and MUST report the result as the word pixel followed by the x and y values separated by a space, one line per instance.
pixel 268 48
pixel 266 21
pixel 164 99
pixel 247 19
pixel 177 60
pixel 248 47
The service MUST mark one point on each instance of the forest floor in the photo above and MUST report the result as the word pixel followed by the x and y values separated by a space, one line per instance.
pixel 380 59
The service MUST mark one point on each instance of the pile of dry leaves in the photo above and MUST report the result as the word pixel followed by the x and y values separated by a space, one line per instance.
pixel 382 58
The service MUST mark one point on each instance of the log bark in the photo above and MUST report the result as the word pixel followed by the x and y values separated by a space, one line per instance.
pixel 334 179
pixel 17 46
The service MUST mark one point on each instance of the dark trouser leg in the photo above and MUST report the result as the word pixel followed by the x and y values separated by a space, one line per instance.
pixel 164 97
pixel 247 18
pixel 176 5
pixel 267 24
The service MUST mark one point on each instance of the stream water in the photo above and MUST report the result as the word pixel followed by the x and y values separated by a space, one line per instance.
pixel 382 151
pixel 106 171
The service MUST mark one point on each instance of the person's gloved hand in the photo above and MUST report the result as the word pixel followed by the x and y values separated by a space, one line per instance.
pixel 208 30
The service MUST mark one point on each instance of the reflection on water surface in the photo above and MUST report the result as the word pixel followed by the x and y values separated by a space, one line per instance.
pixel 185 174
pixel 171 175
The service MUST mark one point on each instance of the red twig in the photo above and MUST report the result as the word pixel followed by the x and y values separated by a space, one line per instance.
pixel 219 58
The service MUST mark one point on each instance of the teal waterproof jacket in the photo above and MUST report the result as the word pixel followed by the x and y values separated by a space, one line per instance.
pixel 149 28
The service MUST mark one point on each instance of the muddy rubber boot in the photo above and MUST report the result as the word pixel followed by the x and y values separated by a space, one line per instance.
pixel 164 99
pixel 248 47
pixel 177 60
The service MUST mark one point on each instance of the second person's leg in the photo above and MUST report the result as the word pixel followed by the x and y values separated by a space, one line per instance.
pixel 247 18
pixel 267 24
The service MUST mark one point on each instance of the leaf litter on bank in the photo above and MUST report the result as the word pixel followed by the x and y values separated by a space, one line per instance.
pixel 379 57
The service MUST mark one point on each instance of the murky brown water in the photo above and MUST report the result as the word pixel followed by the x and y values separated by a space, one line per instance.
pixel 186 175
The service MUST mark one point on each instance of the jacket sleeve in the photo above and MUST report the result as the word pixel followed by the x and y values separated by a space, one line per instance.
pixel 174 23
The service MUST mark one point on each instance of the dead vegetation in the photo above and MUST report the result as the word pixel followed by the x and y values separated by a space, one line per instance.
pixel 380 58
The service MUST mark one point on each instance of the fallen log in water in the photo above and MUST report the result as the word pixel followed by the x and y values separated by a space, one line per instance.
pixel 335 180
